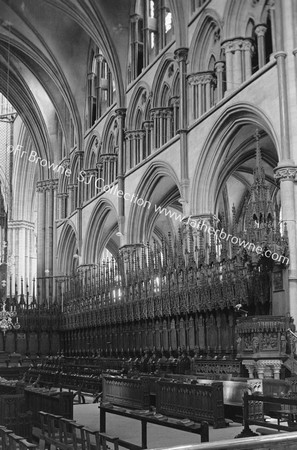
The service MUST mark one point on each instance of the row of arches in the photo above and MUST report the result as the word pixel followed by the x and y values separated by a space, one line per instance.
pixel 220 59
pixel 223 177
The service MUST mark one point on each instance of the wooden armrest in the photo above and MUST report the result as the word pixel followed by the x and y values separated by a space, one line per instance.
pixel 109 438
pixel 24 444
pixel 91 431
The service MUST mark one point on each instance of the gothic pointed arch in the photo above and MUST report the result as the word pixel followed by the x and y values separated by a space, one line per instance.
pixel 159 188
pixel 206 41
pixel 67 249
pixel 207 176
pixel 101 232
pixel 92 149
pixel 139 99
pixel 165 72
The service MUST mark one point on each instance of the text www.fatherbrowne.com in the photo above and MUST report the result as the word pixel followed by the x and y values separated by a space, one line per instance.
pixel 220 234
pixel 200 225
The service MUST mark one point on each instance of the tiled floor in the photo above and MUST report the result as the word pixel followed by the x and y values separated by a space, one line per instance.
pixel 158 436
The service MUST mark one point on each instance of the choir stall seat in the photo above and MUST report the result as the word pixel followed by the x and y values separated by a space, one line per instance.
pixel 96 440
pixel 64 434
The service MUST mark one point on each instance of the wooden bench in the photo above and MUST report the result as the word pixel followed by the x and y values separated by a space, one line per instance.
pixel 248 420
pixel 198 428
pixel 128 392
pixel 54 402
pixel 60 433
pixel 10 441
pixel 194 401
pixel 15 415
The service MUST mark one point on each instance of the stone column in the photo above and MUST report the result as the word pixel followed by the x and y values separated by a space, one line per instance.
pixel 41 221
pixel 279 25
pixel 121 114
pixel 99 59
pixel 128 138
pixel 181 55
pixel 155 116
pixel 248 50
pixel 283 103
pixel 174 103
pixel 260 31
pixel 100 183
pixel 134 21
pixel 79 187
pixel 260 367
pixel 219 68
pixel 50 238
pixel 146 34
pixel 276 367
pixel 45 262
pixel 287 174
pixel 237 63
pixel 228 48
pixel 209 82
pixel 148 125
pixel 91 78
pixel 273 26
pixel 70 188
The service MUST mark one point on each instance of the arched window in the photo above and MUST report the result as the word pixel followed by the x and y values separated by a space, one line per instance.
pixel 207 76
pixel 101 87
pixel 151 29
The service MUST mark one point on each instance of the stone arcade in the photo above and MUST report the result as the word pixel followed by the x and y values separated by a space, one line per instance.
pixel 148 206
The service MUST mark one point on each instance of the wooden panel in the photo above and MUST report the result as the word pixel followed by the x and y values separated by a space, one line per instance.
pixel 33 343
pixel 55 343
pixel 192 401
pixel 21 343
pixel 129 392
pixel 13 415
pixel 10 342
pixel 44 343
pixel 60 403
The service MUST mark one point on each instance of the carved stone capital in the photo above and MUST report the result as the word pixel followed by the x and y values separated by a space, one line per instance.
pixel 272 366
pixel 91 76
pixel 280 55
pixel 46 185
pixel 161 112
pixel 247 46
pixel 181 54
pixel 65 163
pixel 62 195
pixel 237 44
pixel 260 30
pixel 201 78
pixel 285 173
pixel 219 66
pixel 79 153
pixel 121 112
pixel 99 57
pixel 250 365
pixel 148 125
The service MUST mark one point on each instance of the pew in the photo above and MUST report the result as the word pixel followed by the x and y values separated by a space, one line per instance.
pixel 55 402
pixel 145 417
pixel 11 441
pixel 286 404
pixel 60 433
pixel 15 415
pixel 196 402
pixel 129 392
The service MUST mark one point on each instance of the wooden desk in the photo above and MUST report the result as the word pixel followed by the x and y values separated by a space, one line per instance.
pixel 198 428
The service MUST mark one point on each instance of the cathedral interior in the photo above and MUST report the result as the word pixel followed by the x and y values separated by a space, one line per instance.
pixel 148 199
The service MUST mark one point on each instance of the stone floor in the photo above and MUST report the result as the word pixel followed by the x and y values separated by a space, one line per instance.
pixel 158 436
